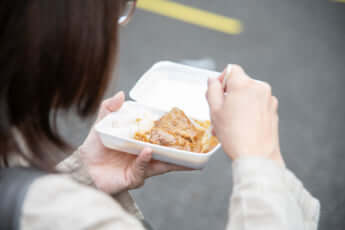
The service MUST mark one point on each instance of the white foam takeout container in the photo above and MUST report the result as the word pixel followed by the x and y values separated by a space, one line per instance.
pixel 164 86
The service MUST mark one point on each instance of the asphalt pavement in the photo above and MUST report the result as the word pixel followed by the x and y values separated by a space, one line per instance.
pixel 298 46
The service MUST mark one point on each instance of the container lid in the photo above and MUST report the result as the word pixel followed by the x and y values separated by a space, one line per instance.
pixel 166 85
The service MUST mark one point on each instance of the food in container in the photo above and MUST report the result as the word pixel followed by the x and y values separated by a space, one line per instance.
pixel 176 130
pixel 169 100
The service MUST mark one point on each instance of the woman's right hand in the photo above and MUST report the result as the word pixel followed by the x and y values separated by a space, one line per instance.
pixel 245 117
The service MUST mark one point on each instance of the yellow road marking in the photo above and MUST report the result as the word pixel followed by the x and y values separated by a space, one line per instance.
pixel 341 1
pixel 192 15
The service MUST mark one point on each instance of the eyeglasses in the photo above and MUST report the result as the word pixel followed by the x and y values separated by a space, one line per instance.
pixel 128 11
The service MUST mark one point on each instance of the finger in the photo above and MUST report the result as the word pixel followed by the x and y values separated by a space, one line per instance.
pixel 111 105
pixel 115 102
pixel 274 104
pixel 172 167
pixel 275 126
pixel 141 163
pixel 237 78
pixel 135 174
pixel 215 94
pixel 214 132
pixel 222 76
pixel 227 73
pixel 159 167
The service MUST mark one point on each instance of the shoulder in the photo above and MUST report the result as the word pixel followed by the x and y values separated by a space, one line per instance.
pixel 58 202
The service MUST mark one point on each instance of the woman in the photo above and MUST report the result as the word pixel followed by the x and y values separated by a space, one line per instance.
pixel 59 54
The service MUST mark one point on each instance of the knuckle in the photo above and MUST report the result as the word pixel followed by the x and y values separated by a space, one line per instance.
pixel 262 88
pixel 253 86
pixel 266 88
pixel 251 83
pixel 244 84
pixel 275 103
pixel 237 68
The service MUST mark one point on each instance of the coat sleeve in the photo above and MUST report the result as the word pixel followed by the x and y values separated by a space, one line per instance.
pixel 58 202
pixel 74 167
pixel 268 197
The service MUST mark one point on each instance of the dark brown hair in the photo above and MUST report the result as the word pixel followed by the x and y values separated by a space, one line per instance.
pixel 53 54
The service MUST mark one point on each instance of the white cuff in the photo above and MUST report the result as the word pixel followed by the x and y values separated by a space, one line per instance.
pixel 309 205
pixel 257 169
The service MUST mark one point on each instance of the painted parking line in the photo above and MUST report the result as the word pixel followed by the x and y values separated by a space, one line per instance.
pixel 192 15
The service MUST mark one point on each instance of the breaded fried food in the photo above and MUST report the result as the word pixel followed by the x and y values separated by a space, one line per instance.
pixel 176 130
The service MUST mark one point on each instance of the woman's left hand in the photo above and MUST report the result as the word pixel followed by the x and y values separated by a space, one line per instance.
pixel 113 171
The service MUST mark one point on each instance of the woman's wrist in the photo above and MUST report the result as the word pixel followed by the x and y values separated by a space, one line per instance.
pixel 107 173
pixel 276 158
pixel 88 163
pixel 75 166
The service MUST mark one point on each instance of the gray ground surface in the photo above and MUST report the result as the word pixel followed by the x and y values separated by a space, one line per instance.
pixel 299 47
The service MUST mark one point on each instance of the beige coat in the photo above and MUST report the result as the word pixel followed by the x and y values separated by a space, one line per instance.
pixel 264 196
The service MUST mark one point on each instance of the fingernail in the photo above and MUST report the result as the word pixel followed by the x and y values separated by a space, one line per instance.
pixel 228 69
pixel 148 149
pixel 149 152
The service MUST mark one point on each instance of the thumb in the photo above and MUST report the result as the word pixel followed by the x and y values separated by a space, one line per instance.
pixel 215 94
pixel 139 166
pixel 237 78
pixel 111 105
